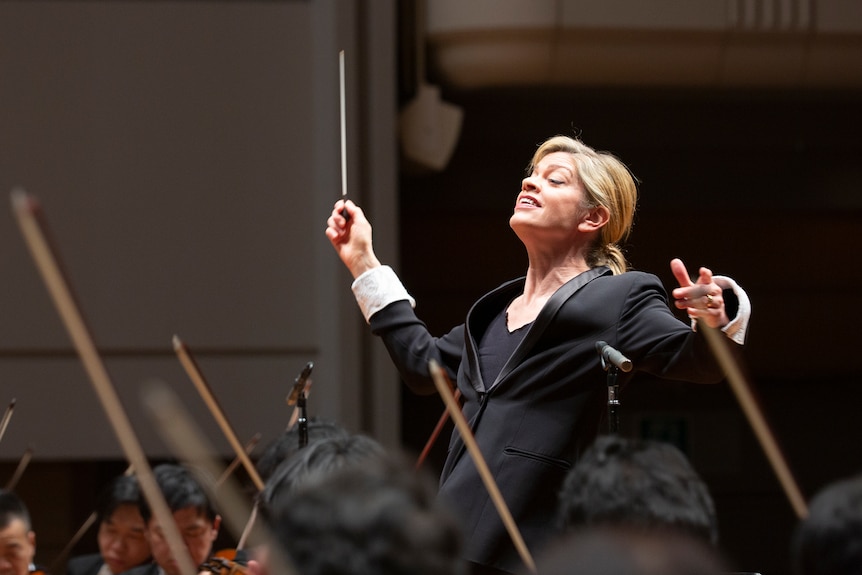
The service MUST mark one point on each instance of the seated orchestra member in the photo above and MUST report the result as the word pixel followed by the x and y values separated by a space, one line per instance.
pixel 635 507
pixel 195 517
pixel 319 458
pixel 316 460
pixel 373 516
pixel 639 484
pixel 121 538
pixel 17 539
pixel 829 540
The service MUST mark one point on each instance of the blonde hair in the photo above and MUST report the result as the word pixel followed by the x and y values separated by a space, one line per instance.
pixel 608 183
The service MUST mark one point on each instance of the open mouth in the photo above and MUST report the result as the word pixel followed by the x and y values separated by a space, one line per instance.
pixel 529 201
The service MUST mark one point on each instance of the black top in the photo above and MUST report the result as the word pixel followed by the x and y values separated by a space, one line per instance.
pixel 85 564
pixel 497 346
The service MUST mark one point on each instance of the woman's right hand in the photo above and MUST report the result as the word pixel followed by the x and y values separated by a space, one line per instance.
pixel 351 238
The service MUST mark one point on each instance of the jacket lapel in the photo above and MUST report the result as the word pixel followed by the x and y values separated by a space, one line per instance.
pixel 547 314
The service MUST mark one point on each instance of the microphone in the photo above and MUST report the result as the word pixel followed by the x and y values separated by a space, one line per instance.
pixel 299 384
pixel 611 355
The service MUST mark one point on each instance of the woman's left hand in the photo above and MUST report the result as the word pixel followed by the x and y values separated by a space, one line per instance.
pixel 702 299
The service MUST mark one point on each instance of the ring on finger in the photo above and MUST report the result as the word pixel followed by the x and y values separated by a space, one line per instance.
pixel 709 300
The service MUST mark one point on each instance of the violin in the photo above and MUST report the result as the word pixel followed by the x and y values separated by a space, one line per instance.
pixel 225 562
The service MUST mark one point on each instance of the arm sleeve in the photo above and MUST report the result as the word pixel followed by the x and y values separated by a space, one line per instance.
pixel 388 309
pixel 738 325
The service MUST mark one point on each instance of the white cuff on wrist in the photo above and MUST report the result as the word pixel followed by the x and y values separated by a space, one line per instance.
pixel 377 288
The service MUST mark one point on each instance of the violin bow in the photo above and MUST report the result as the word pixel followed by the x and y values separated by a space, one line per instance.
pixel 742 389
pixel 444 387
pixel 206 393
pixel 178 431
pixel 249 447
pixel 435 434
pixel 61 558
pixel 228 471
pixel 295 398
pixel 19 470
pixel 28 213
pixel 249 526
pixel 7 416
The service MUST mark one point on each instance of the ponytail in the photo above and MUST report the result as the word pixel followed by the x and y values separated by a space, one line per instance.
pixel 608 255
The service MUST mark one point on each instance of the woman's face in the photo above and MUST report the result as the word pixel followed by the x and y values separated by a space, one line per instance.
pixel 122 542
pixel 550 199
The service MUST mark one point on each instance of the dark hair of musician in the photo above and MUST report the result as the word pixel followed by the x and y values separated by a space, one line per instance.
pixel 377 517
pixel 318 459
pixel 829 540
pixel 181 490
pixel 122 490
pixel 286 445
pixel 12 507
pixel 639 484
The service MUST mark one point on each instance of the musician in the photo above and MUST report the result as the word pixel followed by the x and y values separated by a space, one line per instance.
pixel 322 457
pixel 829 540
pixel 194 515
pixel 122 532
pixel 364 516
pixel 17 539
pixel 642 485
pixel 525 360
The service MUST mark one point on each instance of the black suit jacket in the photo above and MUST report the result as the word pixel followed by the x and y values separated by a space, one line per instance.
pixel 146 569
pixel 152 568
pixel 546 404
pixel 85 564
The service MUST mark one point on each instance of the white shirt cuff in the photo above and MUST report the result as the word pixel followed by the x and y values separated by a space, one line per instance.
pixel 377 288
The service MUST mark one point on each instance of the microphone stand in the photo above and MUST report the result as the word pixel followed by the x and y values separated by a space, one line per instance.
pixel 612 362
pixel 613 398
pixel 302 422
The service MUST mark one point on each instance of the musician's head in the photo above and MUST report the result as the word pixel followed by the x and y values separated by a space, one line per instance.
pixel 287 445
pixel 829 540
pixel 640 484
pixel 317 459
pixel 122 531
pixel 377 517
pixel 17 539
pixel 193 513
